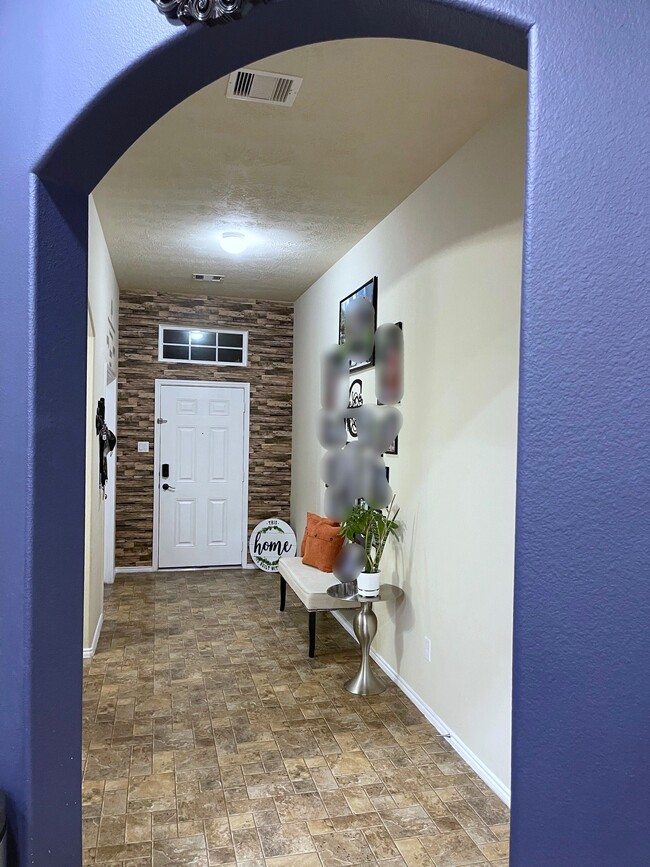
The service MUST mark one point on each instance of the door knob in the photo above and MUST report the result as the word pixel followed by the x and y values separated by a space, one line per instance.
pixel 167 487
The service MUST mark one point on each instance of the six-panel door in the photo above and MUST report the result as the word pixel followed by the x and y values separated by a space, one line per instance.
pixel 201 500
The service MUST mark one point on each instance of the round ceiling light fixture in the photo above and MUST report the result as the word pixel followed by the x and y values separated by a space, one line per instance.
pixel 233 242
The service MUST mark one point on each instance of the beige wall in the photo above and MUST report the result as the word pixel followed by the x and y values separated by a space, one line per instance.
pixel 103 301
pixel 448 261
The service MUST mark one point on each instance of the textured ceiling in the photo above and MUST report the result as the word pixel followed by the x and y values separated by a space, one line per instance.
pixel 374 118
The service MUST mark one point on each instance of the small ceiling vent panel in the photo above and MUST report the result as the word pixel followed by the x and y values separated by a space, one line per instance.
pixel 252 85
pixel 208 278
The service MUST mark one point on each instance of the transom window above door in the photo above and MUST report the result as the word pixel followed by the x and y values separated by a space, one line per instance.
pixel 202 345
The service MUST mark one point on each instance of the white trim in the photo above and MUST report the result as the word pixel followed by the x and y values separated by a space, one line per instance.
pixel 217 331
pixel 246 387
pixel 498 787
pixel 132 570
pixel 89 652
pixel 166 569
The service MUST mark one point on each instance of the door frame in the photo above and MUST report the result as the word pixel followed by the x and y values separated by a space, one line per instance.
pixel 211 383
pixel 89 462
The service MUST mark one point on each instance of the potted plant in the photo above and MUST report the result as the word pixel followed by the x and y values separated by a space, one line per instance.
pixel 370 528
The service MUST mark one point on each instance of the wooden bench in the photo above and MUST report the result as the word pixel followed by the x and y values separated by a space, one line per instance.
pixel 310 586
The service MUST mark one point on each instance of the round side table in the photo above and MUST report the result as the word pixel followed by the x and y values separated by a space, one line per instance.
pixel 364 681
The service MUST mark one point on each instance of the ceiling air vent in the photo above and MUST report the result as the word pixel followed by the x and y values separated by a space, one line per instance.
pixel 252 85
pixel 208 278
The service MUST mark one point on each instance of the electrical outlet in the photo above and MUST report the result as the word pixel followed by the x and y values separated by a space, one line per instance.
pixel 427 649
pixel 143 447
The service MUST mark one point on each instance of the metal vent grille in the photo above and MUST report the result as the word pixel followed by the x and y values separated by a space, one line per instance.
pixel 252 85
pixel 243 84
pixel 208 278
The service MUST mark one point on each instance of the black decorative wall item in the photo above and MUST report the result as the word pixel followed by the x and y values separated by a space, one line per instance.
pixel 355 399
pixel 205 11
pixel 393 449
pixel 369 292
pixel 107 441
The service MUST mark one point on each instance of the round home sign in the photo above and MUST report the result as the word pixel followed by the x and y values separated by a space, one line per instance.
pixel 270 540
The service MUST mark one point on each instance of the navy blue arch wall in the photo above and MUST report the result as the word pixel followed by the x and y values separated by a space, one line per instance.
pixel 79 83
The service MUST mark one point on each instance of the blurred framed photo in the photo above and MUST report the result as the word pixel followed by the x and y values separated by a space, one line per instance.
pixel 393 448
pixel 355 400
pixel 369 292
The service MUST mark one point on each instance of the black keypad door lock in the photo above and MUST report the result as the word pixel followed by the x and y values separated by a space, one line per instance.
pixel 165 471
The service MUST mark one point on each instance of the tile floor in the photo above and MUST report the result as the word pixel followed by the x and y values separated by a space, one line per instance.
pixel 210 738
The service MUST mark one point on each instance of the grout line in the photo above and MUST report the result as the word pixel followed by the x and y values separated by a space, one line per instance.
pixel 476 764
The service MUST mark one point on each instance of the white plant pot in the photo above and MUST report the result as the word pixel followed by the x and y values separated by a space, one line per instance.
pixel 368 583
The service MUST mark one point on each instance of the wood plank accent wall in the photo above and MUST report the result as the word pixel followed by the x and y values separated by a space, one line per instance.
pixel 269 371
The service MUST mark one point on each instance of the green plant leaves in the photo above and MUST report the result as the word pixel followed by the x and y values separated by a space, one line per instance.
pixel 371 528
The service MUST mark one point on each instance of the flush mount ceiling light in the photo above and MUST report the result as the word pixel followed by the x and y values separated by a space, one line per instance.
pixel 233 242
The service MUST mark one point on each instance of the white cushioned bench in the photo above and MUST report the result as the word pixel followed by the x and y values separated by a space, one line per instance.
pixel 310 586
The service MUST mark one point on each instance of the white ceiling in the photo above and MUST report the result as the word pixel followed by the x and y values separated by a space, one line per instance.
pixel 373 120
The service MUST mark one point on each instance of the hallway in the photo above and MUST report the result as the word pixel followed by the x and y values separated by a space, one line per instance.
pixel 210 738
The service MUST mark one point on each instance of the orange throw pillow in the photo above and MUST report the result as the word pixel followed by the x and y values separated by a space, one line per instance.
pixel 322 547
pixel 312 520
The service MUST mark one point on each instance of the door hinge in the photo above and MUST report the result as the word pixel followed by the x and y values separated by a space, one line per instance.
pixel 161 421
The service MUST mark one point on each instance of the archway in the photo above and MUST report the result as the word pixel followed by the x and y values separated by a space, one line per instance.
pixel 580 424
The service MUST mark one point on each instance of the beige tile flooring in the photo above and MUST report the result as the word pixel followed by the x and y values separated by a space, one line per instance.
pixel 210 738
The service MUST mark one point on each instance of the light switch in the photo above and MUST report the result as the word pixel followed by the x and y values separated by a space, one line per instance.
pixel 143 447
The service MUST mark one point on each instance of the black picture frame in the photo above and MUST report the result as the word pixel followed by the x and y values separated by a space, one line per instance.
pixel 367 290
pixel 393 448
pixel 355 399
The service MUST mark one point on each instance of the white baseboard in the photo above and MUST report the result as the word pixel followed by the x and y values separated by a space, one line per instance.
pixel 89 652
pixel 490 779
pixel 202 568
pixel 132 570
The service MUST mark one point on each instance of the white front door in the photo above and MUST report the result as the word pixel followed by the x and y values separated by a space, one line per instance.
pixel 200 468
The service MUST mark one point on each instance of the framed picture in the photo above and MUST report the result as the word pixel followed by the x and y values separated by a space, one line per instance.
pixel 393 448
pixel 355 399
pixel 368 291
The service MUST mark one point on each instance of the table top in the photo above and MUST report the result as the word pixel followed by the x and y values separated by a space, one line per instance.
pixel 348 592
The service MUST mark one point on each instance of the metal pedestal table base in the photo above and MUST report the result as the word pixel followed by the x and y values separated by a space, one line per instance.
pixel 364 681
pixel 365 628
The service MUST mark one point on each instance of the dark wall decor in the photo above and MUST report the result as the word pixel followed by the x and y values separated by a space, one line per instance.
pixel 393 449
pixel 269 371
pixel 205 11
pixel 107 442
pixel 369 292
pixel 355 399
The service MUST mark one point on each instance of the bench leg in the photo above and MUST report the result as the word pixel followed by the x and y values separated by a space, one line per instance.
pixel 283 593
pixel 312 634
